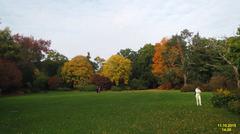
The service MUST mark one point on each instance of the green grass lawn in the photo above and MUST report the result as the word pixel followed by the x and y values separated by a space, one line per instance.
pixel 131 112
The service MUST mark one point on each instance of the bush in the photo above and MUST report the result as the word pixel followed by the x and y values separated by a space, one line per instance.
pixel 217 82
pixel 231 84
pixel 165 86
pixel 234 106
pixel 89 88
pixel 54 82
pixel 41 82
pixel 116 88
pixel 205 87
pixel 137 84
pixel 221 100
pixel 227 99
pixel 64 89
pixel 188 88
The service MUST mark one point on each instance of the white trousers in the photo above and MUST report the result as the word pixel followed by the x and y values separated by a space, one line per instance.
pixel 198 99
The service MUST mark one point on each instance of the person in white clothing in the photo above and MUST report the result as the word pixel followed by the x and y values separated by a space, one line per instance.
pixel 198 96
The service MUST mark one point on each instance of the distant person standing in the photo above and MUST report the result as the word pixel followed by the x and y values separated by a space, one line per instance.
pixel 198 96
pixel 98 89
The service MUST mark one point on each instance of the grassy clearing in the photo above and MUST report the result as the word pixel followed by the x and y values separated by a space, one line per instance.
pixel 130 112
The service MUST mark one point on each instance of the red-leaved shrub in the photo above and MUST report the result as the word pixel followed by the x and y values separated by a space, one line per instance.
pixel 54 82
pixel 165 86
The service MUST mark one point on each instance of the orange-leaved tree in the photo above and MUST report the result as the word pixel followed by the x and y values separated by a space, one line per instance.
pixel 159 66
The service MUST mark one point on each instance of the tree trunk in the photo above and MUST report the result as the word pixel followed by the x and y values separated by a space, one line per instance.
pixel 236 73
pixel 185 79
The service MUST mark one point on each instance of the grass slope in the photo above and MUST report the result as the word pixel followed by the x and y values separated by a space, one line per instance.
pixel 132 112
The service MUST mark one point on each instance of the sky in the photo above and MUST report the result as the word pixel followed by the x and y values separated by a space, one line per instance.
pixel 103 27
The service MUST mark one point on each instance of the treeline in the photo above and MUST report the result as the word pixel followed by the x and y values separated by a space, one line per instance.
pixel 183 61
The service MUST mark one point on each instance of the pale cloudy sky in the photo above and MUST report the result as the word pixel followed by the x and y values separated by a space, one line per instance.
pixel 103 27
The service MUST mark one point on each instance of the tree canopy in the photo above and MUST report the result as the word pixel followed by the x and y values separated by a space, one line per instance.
pixel 117 68
pixel 77 72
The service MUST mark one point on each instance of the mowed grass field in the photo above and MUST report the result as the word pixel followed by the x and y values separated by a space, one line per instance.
pixel 126 112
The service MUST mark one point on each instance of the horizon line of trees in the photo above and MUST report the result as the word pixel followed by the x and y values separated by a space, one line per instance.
pixel 184 60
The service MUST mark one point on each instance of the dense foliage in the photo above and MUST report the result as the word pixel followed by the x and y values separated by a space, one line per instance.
pixel 101 82
pixel 10 75
pixel 227 99
pixel 185 60
pixel 117 69
pixel 77 72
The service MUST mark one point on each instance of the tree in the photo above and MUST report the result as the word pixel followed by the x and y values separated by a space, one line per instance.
pixel 128 53
pixel 201 60
pixel 94 64
pixel 31 53
pixel 77 72
pixel 99 61
pixel 32 50
pixel 229 51
pixel 117 68
pixel 176 54
pixel 53 63
pixel 143 65
pixel 183 42
pixel 159 66
pixel 8 48
pixel 168 61
pixel 10 75
pixel 41 81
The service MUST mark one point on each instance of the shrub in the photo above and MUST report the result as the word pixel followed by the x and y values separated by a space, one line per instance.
pixel 10 76
pixel 222 97
pixel 188 88
pixel 137 84
pixel 165 86
pixel 41 82
pixel 89 88
pixel 234 106
pixel 54 82
pixel 80 85
pixel 221 100
pixel 116 88
pixel 217 82
pixel 100 81
pixel 64 89
pixel 205 87
pixel 231 84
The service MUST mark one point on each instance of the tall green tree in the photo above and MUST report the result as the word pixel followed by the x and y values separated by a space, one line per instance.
pixel 229 51
pixel 8 48
pixel 53 62
pixel 128 53
pixel 201 61
pixel 142 68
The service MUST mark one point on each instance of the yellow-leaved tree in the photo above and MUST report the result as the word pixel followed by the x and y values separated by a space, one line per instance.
pixel 117 68
pixel 77 72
